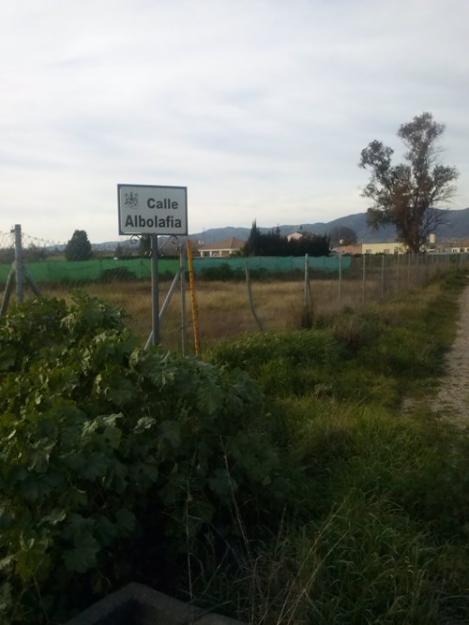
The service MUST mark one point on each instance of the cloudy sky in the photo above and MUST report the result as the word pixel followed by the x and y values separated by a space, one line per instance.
pixel 260 108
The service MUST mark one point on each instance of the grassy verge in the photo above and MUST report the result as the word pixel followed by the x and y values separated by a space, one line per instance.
pixel 315 501
pixel 375 526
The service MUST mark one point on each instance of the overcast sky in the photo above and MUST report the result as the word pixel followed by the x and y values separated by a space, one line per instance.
pixel 260 108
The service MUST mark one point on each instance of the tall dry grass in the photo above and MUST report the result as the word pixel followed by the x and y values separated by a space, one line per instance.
pixel 224 310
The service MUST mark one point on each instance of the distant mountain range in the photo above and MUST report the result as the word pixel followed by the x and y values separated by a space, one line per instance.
pixel 456 226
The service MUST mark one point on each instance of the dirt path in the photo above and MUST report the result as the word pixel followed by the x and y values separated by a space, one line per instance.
pixel 452 401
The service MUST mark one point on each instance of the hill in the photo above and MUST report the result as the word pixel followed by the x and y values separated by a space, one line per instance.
pixel 456 226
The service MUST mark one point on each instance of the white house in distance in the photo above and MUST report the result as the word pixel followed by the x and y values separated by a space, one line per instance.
pixel 295 236
pixel 451 246
pixel 392 247
pixel 454 246
pixel 227 247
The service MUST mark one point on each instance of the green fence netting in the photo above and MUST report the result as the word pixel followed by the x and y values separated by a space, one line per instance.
pixel 54 271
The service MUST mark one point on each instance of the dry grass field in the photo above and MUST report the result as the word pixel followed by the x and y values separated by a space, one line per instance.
pixel 224 310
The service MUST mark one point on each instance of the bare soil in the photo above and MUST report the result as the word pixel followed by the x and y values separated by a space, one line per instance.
pixel 452 401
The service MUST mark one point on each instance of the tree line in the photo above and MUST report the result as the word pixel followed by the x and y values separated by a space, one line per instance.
pixel 273 243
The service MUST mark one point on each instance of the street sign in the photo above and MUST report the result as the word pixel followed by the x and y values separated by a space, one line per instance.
pixel 147 209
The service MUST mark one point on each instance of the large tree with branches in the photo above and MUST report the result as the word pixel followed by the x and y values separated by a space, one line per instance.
pixel 408 194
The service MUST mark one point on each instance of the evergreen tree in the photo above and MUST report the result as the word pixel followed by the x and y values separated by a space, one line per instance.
pixel 252 244
pixel 311 244
pixel 78 248
pixel 274 244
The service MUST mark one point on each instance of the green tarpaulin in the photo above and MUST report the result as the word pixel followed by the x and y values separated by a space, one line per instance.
pixel 91 270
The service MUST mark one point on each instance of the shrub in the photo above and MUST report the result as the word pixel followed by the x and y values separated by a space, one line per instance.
pixel 108 452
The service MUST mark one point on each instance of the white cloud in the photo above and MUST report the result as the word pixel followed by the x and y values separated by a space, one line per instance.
pixel 260 108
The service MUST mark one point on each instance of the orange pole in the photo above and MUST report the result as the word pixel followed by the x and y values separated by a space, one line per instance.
pixel 195 308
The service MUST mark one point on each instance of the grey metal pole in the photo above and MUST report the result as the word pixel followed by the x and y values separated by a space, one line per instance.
pixel 182 269
pixel 307 302
pixel 382 276
pixel 339 292
pixel 19 269
pixel 363 278
pixel 308 309
pixel 397 272
pixel 408 269
pixel 155 292
pixel 164 307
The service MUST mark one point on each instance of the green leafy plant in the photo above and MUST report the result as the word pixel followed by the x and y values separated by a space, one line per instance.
pixel 108 451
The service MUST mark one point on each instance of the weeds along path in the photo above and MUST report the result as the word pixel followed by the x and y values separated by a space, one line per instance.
pixel 452 401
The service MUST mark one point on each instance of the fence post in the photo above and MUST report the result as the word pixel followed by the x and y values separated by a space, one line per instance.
pixel 397 272
pixel 339 292
pixel 155 291
pixel 382 276
pixel 251 300
pixel 363 278
pixel 164 307
pixel 182 270
pixel 195 308
pixel 19 267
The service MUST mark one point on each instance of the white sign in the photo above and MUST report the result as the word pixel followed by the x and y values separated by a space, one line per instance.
pixel 145 209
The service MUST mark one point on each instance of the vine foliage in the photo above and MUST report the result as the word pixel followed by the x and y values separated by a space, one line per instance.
pixel 109 453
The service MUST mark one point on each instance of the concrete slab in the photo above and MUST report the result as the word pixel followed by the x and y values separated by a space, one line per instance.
pixel 136 604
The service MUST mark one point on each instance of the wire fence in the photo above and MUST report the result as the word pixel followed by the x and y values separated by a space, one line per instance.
pixel 236 294
pixel 107 269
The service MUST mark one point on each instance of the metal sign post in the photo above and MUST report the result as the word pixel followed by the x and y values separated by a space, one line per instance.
pixel 182 272
pixel 155 292
pixel 153 210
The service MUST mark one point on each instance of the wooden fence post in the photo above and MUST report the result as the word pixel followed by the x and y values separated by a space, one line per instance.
pixel 251 300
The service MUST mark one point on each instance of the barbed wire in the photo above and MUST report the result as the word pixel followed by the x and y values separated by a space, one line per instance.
pixel 6 240
pixel 29 240
pixel 40 242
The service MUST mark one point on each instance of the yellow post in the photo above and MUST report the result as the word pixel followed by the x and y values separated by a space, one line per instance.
pixel 195 309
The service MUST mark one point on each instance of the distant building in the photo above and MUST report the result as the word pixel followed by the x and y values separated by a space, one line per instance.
pixel 228 247
pixel 453 246
pixel 351 250
pixel 393 247
pixel 295 236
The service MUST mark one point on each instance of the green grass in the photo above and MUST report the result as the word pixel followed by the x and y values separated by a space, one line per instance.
pixel 376 518
pixel 299 493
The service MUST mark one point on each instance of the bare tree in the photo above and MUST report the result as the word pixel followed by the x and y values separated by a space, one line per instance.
pixel 407 194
